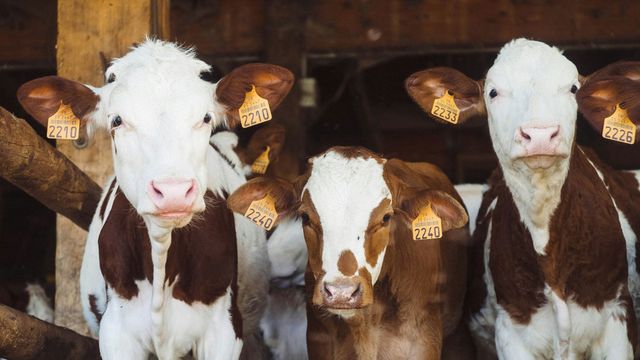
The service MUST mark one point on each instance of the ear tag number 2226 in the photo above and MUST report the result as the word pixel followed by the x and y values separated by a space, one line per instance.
pixel 618 127
pixel 427 225
pixel 255 109
pixel 63 125
pixel 262 212
pixel 445 108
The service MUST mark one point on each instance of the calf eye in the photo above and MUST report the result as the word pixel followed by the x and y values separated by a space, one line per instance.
pixel 493 93
pixel 207 118
pixel 305 218
pixel 386 218
pixel 574 89
pixel 116 121
pixel 111 78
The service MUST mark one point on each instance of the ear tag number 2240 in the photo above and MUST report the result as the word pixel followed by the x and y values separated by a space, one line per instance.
pixel 63 125
pixel 427 225
pixel 263 212
pixel 445 108
pixel 254 110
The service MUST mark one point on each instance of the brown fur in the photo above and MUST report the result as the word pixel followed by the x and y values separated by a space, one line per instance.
pixel 377 235
pixel 202 255
pixel 347 263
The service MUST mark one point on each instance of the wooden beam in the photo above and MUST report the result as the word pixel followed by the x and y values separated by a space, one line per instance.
pixel 23 337
pixel 37 168
pixel 85 30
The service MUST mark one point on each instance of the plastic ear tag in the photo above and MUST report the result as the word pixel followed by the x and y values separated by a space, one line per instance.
pixel 618 127
pixel 255 109
pixel 64 124
pixel 263 212
pixel 427 225
pixel 445 108
pixel 261 163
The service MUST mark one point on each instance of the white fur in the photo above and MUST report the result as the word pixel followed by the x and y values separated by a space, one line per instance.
pixel 344 192
pixel 287 249
pixel 162 101
pixel 284 324
pixel 39 303
pixel 471 195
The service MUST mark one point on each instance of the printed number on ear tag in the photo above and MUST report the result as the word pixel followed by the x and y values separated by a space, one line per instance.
pixel 63 125
pixel 618 127
pixel 427 225
pixel 255 109
pixel 445 108
pixel 261 163
pixel 263 212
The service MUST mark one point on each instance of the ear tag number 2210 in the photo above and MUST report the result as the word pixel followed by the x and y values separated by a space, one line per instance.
pixel 445 108
pixel 254 110
pixel 427 225
pixel 618 127
pixel 63 125
pixel 263 212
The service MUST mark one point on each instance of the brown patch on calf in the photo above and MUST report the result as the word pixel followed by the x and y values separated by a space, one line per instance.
pixel 376 238
pixel 201 262
pixel 103 207
pixel 347 263
pixel 312 235
pixel 94 308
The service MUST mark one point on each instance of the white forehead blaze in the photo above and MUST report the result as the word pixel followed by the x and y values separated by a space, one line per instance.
pixel 533 81
pixel 159 95
pixel 344 192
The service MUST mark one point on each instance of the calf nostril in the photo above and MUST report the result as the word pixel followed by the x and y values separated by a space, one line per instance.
pixel 327 291
pixel 191 189
pixel 356 292
pixel 524 135
pixel 156 190
pixel 555 133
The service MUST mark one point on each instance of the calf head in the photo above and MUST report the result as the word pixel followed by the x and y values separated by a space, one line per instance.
pixel 528 95
pixel 353 204
pixel 160 114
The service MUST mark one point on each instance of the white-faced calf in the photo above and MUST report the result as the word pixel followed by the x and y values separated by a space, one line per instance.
pixel 167 269
pixel 554 227
pixel 375 292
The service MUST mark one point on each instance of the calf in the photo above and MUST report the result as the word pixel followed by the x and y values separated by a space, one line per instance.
pixel 167 268
pixel 553 231
pixel 374 293
pixel 27 297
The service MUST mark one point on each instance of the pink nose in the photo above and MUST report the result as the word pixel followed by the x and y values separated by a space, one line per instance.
pixel 539 140
pixel 342 294
pixel 174 195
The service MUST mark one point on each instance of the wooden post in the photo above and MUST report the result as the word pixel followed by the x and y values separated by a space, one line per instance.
pixel 85 30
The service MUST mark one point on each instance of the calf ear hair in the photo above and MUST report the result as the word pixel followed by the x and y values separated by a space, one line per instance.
pixel 42 97
pixel 280 190
pixel 627 69
pixel 598 97
pixel 427 85
pixel 272 82
pixel 448 209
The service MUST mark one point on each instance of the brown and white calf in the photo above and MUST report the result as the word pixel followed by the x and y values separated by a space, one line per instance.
pixel 373 292
pixel 551 269
pixel 167 268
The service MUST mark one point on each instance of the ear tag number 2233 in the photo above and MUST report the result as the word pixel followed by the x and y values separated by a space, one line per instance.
pixel 262 212
pixel 618 127
pixel 255 109
pixel 63 125
pixel 427 225
pixel 445 108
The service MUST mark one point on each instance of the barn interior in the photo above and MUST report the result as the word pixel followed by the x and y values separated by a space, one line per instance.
pixel 350 58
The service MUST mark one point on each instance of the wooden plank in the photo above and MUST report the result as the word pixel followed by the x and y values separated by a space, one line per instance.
pixel 85 30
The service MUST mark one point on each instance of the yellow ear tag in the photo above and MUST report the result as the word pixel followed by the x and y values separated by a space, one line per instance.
pixel 427 225
pixel 255 109
pixel 263 212
pixel 445 108
pixel 63 125
pixel 261 163
pixel 618 127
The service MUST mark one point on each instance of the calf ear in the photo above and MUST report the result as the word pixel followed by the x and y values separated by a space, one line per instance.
pixel 449 210
pixel 281 191
pixel 271 135
pixel 627 69
pixel 272 82
pixel 426 86
pixel 42 97
pixel 598 97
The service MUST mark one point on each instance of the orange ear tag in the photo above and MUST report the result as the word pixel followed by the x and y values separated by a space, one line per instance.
pixel 255 109
pixel 63 125
pixel 261 163
pixel 618 127
pixel 445 108
pixel 263 212
pixel 427 225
